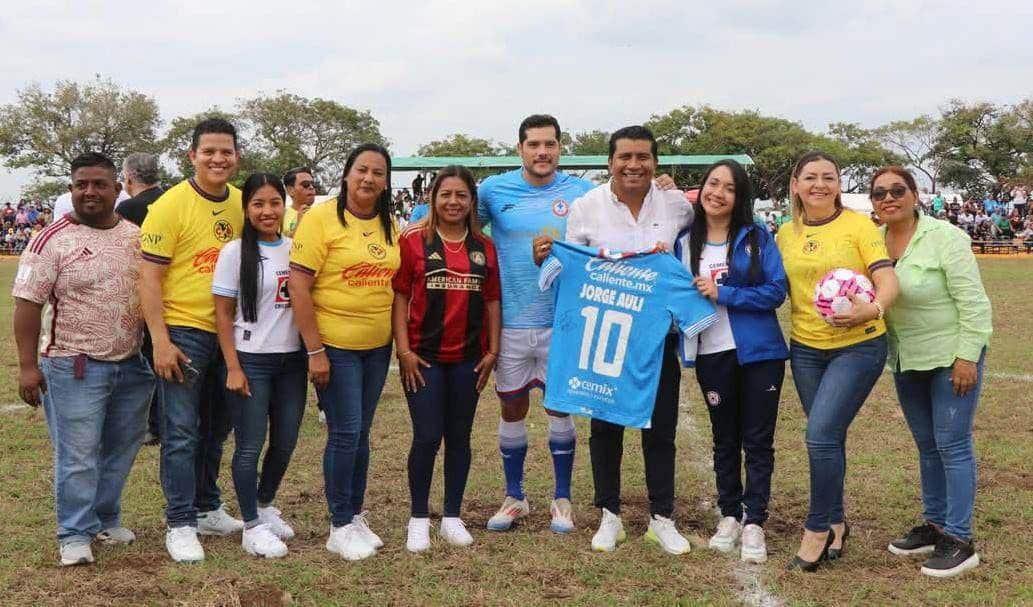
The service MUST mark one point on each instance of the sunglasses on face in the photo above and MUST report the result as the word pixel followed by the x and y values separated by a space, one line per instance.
pixel 307 184
pixel 897 191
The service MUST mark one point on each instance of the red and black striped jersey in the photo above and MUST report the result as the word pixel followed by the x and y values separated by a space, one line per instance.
pixel 448 285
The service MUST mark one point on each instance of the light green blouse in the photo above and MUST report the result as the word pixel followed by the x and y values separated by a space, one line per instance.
pixel 942 312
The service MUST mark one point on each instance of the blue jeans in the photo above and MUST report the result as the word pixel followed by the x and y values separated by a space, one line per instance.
pixel 96 425
pixel 195 423
pixel 942 426
pixel 832 385
pixel 278 384
pixel 350 400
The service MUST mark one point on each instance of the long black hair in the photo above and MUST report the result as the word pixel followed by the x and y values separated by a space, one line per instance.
pixel 383 207
pixel 463 173
pixel 250 258
pixel 742 216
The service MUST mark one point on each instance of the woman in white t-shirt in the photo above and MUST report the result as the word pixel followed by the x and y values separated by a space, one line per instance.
pixel 266 368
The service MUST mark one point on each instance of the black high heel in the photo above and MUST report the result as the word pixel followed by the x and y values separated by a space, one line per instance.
pixel 809 566
pixel 835 553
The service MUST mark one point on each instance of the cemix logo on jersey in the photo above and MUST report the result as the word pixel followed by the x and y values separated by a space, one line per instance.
pixel 365 274
pixel 204 261
pixel 621 274
pixel 605 392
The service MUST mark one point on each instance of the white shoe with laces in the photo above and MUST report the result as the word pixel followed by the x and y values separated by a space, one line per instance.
pixel 663 533
pixel 361 522
pixel 754 548
pixel 610 533
pixel 116 535
pixel 182 544
pixel 349 542
pixel 76 554
pixel 454 531
pixel 261 541
pixel 270 517
pixel 562 516
pixel 728 531
pixel 417 535
pixel 218 522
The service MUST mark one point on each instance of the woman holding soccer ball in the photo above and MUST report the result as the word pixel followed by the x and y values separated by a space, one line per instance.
pixel 835 359
pixel 938 333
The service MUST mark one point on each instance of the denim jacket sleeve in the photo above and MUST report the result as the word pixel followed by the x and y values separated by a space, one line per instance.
pixel 766 296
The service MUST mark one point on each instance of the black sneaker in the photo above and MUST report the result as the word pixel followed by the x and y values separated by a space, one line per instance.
pixel 920 540
pixel 951 557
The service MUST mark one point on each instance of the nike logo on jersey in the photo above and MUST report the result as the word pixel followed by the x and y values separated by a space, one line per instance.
pixel 367 234
pixel 214 213
pixel 507 207
pixel 434 257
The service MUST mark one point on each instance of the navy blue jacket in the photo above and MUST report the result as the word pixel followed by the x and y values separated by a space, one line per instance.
pixel 751 308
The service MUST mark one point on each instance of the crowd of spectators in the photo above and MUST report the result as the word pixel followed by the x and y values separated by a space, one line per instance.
pixel 20 223
pixel 994 218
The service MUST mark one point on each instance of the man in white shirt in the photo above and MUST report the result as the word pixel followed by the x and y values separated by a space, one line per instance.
pixel 630 213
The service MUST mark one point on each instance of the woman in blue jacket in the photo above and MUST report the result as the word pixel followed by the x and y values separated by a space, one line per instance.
pixel 740 359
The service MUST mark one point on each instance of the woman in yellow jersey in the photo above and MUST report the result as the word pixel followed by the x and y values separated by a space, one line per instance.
pixel 344 256
pixel 835 363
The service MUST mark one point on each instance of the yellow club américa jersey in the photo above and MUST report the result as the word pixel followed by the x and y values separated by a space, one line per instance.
pixel 185 229
pixel 353 266
pixel 290 221
pixel 846 240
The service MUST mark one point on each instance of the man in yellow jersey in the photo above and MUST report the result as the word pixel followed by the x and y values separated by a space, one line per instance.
pixel 180 241
pixel 301 187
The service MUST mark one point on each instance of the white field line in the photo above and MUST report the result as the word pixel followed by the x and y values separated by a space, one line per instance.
pixel 1026 377
pixel 751 588
pixel 13 408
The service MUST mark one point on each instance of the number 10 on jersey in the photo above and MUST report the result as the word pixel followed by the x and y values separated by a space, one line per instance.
pixel 600 342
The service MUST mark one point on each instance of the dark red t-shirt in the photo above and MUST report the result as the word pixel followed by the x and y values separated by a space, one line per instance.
pixel 447 286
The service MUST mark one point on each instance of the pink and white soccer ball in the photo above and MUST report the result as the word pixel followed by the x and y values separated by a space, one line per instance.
pixel 833 291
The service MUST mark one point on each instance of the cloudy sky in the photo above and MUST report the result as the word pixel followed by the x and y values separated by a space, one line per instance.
pixel 427 69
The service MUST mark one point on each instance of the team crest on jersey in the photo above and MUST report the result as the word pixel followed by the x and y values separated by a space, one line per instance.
pixel 560 208
pixel 713 398
pixel 477 258
pixel 223 231
pixel 810 247
pixel 376 251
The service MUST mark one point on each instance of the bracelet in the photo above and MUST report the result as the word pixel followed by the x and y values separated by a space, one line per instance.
pixel 401 354
pixel 878 306
pixel 319 351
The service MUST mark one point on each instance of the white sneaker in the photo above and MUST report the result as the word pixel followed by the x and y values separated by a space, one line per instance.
pixel 322 417
pixel 76 554
pixel 182 544
pixel 417 537
pixel 260 540
pixel 270 517
pixel 116 535
pixel 218 522
pixel 454 531
pixel 663 533
pixel 361 522
pixel 728 531
pixel 754 549
pixel 562 516
pixel 610 533
pixel 511 510
pixel 349 542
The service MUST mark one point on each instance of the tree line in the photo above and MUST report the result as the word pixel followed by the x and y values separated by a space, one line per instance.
pixel 974 147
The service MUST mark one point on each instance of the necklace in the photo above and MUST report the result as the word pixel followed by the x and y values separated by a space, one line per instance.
pixel 461 241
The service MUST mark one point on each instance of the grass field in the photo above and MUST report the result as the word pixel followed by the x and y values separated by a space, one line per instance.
pixel 531 565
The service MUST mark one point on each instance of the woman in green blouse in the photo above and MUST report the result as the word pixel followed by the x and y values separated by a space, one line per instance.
pixel 938 331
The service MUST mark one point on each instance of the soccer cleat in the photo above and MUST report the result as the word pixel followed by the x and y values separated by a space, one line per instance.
pixel 78 553
pixel 361 522
pixel 270 517
pixel 348 541
pixel 511 510
pixel 417 535
pixel 562 516
pixel 182 544
pixel 218 522
pixel 951 557
pixel 663 533
pixel 454 531
pixel 920 540
pixel 261 541
pixel 728 532
pixel 754 549
pixel 610 533
pixel 116 535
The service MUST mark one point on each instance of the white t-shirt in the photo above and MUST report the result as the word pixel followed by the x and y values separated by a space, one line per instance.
pixel 713 264
pixel 274 330
pixel 599 219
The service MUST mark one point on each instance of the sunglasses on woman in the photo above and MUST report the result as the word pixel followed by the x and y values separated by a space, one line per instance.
pixel 897 191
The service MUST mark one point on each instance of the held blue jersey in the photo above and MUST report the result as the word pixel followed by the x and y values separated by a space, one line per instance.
pixel 518 212
pixel 613 312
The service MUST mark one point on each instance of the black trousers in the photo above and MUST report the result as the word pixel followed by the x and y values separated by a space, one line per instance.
pixel 743 404
pixel 607 445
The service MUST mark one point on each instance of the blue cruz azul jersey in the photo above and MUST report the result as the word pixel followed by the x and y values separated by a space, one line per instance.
pixel 518 212
pixel 613 312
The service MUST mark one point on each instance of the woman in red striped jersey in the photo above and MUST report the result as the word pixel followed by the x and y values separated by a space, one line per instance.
pixel 447 321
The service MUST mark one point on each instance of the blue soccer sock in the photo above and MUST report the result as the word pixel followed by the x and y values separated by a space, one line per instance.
pixel 513 447
pixel 562 439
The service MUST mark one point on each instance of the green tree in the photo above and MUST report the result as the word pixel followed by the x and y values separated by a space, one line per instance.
pixel 460 144
pixel 985 146
pixel 44 130
pixel 588 143
pixel 915 141
pixel 858 152
pixel 44 189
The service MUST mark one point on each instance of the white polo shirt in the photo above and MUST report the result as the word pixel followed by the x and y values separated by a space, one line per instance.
pixel 599 219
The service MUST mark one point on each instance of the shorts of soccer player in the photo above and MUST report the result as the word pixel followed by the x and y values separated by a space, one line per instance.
pixel 447 337
pixel 344 255
pixel 94 384
pixel 835 363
